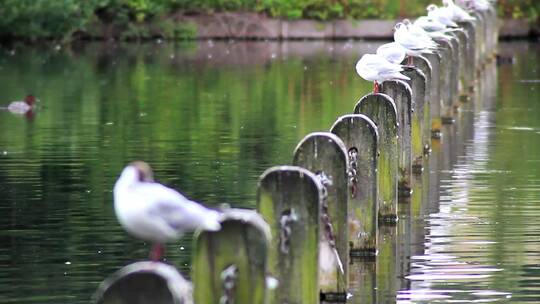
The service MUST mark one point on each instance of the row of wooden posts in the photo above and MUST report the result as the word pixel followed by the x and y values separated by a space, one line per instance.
pixel 320 215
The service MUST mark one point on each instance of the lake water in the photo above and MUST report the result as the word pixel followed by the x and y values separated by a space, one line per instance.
pixel 210 117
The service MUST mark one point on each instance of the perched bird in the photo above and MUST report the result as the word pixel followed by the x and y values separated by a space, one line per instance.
pixel 375 68
pixel 442 14
pixel 393 52
pixel 155 213
pixel 458 14
pixel 414 42
pixel 22 107
pixel 429 24
pixel 434 29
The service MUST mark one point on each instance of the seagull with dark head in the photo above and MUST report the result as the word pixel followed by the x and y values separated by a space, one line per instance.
pixel 155 213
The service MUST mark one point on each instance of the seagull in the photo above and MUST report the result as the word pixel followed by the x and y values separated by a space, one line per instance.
pixel 375 68
pixel 393 52
pixel 433 28
pixel 415 43
pixel 458 14
pixel 21 107
pixel 479 5
pixel 155 213
pixel 429 24
pixel 441 14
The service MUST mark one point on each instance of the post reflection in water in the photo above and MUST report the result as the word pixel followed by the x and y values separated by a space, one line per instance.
pixel 210 117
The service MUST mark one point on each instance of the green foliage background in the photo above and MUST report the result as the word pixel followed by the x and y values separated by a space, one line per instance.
pixel 33 19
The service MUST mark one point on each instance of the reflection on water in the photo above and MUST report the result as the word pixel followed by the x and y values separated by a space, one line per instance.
pixel 210 117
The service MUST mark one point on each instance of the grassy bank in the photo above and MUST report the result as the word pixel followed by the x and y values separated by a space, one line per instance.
pixel 65 19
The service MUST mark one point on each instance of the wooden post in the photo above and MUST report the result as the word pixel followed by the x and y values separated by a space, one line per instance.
pixel 424 65
pixel 144 282
pixel 462 40
pixel 325 155
pixel 446 72
pixel 289 199
pixel 454 81
pixel 435 90
pixel 480 40
pixel 418 84
pixel 401 93
pixel 230 265
pixel 469 27
pixel 360 136
pixel 382 110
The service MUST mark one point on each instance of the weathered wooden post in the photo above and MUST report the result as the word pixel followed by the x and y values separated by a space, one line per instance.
pixel 360 136
pixel 289 199
pixel 401 93
pixel 446 74
pixel 494 30
pixel 454 81
pixel 422 63
pixel 230 265
pixel 462 40
pixel 325 155
pixel 435 90
pixel 418 84
pixel 382 111
pixel 480 40
pixel 470 70
pixel 142 283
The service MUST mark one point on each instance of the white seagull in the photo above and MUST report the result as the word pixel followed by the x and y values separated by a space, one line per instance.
pixel 393 52
pixel 414 42
pixel 458 14
pixel 155 213
pixel 442 14
pixel 432 27
pixel 375 68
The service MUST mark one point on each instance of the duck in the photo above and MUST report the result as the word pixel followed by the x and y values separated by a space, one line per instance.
pixel 22 106
pixel 156 213
pixel 373 67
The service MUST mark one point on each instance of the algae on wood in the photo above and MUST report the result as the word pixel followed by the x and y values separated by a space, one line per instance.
pixel 435 101
pixel 381 109
pixel 325 155
pixel 289 199
pixel 401 93
pixel 360 136
pixel 231 264
pixel 418 84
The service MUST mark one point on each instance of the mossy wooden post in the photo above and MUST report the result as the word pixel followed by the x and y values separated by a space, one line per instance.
pixel 469 28
pixel 142 283
pixel 494 30
pixel 325 154
pixel 435 91
pixel 360 136
pixel 289 199
pixel 382 111
pixel 230 265
pixel 445 77
pixel 401 93
pixel 424 65
pixel 418 84
pixel 462 40
pixel 481 40
pixel 454 81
